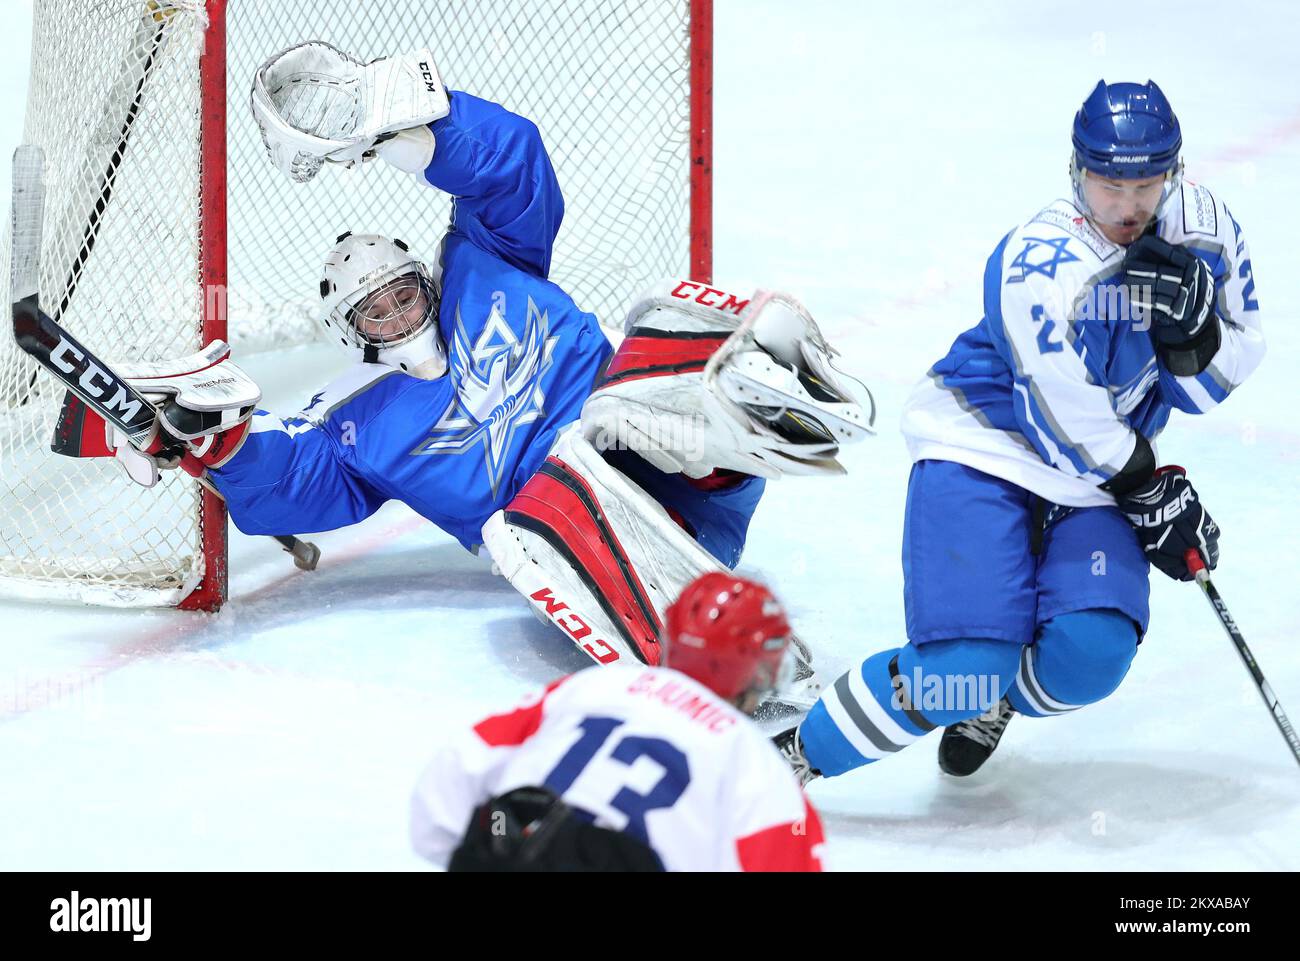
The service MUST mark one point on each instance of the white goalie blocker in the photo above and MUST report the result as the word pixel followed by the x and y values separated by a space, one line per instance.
pixel 314 103
pixel 201 405
pixel 203 400
pixel 703 381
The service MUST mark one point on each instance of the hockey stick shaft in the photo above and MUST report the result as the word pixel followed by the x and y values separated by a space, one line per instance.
pixel 104 391
pixel 145 49
pixel 142 56
pixel 1196 565
pixel 39 335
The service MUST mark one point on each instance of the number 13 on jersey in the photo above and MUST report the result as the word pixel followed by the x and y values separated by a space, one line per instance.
pixel 626 751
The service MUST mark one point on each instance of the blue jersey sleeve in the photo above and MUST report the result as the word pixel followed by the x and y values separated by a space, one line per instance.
pixel 288 479
pixel 493 162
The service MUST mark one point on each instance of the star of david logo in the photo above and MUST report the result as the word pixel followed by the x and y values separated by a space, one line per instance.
pixel 498 389
pixel 1047 267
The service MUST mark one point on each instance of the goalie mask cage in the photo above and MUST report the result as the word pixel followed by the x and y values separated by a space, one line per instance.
pixel 166 225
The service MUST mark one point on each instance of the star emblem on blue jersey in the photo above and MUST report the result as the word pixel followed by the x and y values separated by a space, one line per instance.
pixel 498 383
pixel 1033 259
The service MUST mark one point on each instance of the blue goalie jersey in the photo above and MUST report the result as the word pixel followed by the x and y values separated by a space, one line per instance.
pixel 1050 388
pixel 522 358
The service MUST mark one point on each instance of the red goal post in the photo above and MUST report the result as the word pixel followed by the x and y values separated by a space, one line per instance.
pixel 198 237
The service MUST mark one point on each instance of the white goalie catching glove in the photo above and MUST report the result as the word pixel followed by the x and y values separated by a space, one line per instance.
pixel 314 103
pixel 706 380
pixel 204 405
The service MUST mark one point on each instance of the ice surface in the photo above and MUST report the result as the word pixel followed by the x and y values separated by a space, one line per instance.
pixel 868 157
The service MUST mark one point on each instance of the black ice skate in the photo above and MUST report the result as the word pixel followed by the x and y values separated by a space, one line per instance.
pixel 964 747
pixel 790 744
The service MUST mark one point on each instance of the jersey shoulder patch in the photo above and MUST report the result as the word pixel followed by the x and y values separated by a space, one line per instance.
pixel 1067 218
pixel 1200 211
pixel 347 387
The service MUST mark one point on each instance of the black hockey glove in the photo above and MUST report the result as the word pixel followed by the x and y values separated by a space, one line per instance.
pixel 1169 519
pixel 1175 290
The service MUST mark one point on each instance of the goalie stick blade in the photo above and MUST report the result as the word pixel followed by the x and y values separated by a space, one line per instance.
pixel 39 335
pixel 79 432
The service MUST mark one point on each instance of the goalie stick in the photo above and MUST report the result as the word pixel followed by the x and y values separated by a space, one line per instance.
pixel 94 382
pixel 150 39
pixel 1197 566
pixel 116 122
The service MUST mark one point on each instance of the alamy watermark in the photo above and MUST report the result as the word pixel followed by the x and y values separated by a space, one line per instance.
pixel 1115 302
pixel 74 914
pixel 682 438
pixel 976 693
pixel 69 692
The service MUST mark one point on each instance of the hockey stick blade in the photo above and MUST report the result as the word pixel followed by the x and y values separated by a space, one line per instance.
pixel 98 386
pixel 1196 565
pixel 89 378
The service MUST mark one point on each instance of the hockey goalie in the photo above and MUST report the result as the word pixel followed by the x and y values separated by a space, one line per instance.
pixel 601 482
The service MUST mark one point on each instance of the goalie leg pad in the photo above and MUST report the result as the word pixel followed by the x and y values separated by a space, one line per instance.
pixel 715 510
pixel 599 558
pixel 594 553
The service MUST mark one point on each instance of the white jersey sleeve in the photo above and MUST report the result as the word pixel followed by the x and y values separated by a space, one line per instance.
pixel 463 774
pixel 769 830
pixel 1205 226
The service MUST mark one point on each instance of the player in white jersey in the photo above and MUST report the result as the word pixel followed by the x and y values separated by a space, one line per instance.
pixel 662 756
pixel 1035 502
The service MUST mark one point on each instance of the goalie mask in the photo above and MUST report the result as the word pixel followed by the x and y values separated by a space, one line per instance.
pixel 379 299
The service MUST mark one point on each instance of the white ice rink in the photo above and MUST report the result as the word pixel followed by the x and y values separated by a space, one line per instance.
pixel 868 157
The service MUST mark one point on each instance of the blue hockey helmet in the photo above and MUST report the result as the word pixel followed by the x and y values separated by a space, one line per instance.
pixel 1127 131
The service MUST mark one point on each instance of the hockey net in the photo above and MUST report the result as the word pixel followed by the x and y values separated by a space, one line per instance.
pixel 197 236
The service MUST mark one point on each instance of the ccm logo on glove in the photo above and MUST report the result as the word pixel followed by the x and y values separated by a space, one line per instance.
pixel 427 73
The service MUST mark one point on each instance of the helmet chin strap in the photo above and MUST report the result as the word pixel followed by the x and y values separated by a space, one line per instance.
pixel 424 357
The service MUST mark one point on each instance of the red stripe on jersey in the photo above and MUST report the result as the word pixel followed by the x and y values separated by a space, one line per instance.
pixel 785 847
pixel 517 726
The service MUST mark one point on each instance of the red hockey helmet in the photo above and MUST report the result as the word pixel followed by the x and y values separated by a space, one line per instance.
pixel 728 633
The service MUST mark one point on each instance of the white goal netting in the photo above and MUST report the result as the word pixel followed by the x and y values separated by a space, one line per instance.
pixel 116 101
